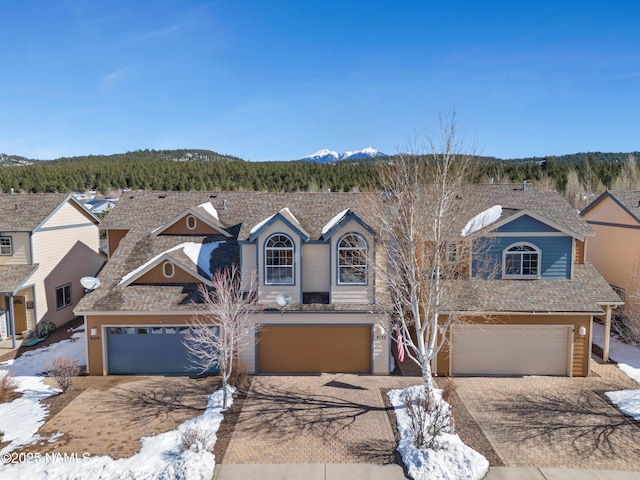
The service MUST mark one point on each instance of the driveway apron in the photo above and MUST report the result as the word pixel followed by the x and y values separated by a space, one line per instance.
pixel 327 418
pixel 555 422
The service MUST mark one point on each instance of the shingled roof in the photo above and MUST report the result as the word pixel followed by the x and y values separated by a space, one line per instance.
pixel 23 212
pixel 12 277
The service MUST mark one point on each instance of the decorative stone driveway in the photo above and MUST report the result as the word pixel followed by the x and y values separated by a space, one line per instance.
pixel 328 418
pixel 555 421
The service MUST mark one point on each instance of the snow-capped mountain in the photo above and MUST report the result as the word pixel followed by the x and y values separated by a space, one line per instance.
pixel 329 156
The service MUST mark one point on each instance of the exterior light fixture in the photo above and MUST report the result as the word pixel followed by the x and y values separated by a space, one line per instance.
pixel 582 331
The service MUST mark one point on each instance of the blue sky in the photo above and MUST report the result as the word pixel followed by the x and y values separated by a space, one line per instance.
pixel 277 80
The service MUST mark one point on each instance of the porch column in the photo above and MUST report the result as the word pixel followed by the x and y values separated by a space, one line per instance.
pixel 607 334
pixel 13 322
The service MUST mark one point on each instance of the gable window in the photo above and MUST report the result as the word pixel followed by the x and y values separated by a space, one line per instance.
pixel 521 261
pixel 352 260
pixel 279 260
pixel 167 269
pixel 192 222
pixel 63 296
pixel 452 253
pixel 6 248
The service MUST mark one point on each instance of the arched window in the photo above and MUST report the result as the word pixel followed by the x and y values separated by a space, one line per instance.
pixel 352 259
pixel 278 260
pixel 521 260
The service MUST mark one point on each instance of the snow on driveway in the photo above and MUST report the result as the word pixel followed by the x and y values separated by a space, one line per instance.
pixel 628 358
pixel 161 456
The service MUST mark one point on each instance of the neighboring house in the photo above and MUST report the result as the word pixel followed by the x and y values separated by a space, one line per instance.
pixel 47 243
pixel 615 250
pixel 534 316
pixel 531 312
pixel 102 207
pixel 319 249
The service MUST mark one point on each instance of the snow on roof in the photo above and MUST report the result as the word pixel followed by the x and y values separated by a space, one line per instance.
pixel 286 209
pixel 198 253
pixel 481 220
pixel 210 209
pixel 257 226
pixel 334 221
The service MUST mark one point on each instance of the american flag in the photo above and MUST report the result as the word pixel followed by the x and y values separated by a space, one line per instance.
pixel 400 344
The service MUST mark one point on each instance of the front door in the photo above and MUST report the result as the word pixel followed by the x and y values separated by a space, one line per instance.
pixel 19 314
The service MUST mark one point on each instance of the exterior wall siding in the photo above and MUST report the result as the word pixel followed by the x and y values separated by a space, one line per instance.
pixel 21 249
pixel 526 224
pixel 315 268
pixel 64 256
pixel 267 293
pixel 555 251
pixel 581 347
pixel 615 252
pixel 608 210
pixel 352 294
pixel 155 276
pixel 113 238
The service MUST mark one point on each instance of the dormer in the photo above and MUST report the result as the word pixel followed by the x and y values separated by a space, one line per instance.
pixel 200 220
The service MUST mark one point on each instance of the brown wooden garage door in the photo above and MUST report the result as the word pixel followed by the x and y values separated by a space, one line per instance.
pixel 312 349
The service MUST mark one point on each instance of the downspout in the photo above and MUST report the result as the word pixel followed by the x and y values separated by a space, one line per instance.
pixel 13 322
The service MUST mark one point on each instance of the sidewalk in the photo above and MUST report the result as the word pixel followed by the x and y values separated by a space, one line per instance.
pixel 343 471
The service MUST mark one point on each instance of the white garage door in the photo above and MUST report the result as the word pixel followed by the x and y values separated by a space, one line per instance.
pixel 510 349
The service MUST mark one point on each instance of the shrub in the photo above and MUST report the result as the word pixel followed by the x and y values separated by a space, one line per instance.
pixel 7 388
pixel 64 370
pixel 449 392
pixel 197 439
pixel 426 421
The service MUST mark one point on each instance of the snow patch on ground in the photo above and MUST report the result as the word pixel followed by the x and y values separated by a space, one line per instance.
pixel 21 419
pixel 161 456
pixel 628 358
pixel 452 461
pixel 481 220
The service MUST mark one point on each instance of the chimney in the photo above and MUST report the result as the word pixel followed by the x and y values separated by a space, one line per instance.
pixel 524 185
pixel 12 190
pixel 491 181
pixel 224 204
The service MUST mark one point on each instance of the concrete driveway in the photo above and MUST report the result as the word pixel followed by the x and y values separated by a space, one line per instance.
pixel 555 422
pixel 308 419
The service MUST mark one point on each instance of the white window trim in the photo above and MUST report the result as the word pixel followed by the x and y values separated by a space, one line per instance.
pixel 293 260
pixel 366 256
pixel 521 276
pixel 164 270
pixel 4 246
pixel 193 225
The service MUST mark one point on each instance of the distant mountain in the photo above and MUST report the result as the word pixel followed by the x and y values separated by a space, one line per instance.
pixel 329 156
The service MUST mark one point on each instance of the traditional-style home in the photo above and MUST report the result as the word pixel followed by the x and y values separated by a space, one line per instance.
pixel 322 254
pixel 48 242
pixel 532 311
pixel 317 250
pixel 615 250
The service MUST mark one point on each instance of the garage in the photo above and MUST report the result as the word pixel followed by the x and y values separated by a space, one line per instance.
pixel 511 349
pixel 145 350
pixel 314 349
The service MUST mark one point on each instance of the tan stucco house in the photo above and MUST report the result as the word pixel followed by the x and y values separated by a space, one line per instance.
pixel 47 243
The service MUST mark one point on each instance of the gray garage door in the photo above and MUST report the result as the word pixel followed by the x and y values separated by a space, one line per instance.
pixel 145 350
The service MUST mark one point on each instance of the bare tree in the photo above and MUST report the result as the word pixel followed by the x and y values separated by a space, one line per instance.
pixel 627 322
pixel 629 177
pixel 429 259
pixel 225 324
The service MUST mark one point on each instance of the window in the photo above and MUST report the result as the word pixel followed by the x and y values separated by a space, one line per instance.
pixel 352 260
pixel 63 296
pixel 191 222
pixel 5 246
pixel 452 253
pixel 279 260
pixel 521 260
pixel 167 269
